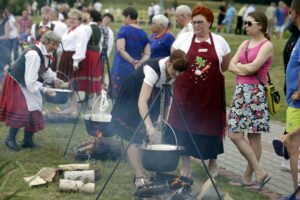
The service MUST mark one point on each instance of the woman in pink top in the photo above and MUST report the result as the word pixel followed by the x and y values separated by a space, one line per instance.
pixel 249 110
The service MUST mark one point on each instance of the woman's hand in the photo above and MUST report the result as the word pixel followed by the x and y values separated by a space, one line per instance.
pixel 75 68
pixel 153 134
pixel 50 92
pixel 58 82
pixel 136 64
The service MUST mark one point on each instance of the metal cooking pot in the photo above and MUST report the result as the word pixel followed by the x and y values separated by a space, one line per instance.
pixel 161 157
pixel 62 96
pixel 97 122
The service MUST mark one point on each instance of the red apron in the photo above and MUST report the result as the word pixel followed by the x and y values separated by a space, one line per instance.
pixel 200 92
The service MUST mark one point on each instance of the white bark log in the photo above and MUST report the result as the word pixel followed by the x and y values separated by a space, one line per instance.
pixel 75 186
pixel 34 181
pixel 85 176
pixel 70 167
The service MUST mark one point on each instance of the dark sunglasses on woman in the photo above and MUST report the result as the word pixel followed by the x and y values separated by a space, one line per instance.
pixel 249 23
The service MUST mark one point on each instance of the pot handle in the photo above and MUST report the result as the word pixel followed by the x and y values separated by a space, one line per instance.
pixel 172 130
pixel 103 97
pixel 65 76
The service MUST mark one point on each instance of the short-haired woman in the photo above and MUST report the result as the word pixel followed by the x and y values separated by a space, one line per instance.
pixel 21 99
pixel 161 40
pixel 132 49
pixel 200 92
pixel 74 43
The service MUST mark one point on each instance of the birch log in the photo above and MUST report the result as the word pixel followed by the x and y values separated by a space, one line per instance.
pixel 70 167
pixel 75 186
pixel 85 176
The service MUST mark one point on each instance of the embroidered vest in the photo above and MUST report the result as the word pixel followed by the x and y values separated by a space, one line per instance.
pixel 93 43
pixel 39 30
pixel 17 69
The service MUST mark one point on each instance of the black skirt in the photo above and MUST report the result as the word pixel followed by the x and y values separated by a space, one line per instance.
pixel 125 114
pixel 209 146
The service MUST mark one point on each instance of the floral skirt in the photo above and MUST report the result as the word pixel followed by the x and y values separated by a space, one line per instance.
pixel 249 110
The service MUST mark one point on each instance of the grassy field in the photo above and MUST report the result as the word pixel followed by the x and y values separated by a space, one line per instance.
pixel 54 140
pixel 55 137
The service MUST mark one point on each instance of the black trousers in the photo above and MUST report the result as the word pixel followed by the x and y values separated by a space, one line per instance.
pixel 239 26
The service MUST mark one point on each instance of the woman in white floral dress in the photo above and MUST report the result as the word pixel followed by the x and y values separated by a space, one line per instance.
pixel 249 110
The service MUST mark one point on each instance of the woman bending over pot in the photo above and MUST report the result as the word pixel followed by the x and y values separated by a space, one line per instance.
pixel 137 92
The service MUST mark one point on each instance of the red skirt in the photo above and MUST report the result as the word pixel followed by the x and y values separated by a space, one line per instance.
pixel 66 66
pixel 14 111
pixel 90 74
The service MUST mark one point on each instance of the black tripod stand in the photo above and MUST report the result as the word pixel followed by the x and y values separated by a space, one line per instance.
pixel 162 91
pixel 102 58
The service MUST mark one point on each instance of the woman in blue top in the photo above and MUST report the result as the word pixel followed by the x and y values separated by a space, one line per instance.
pixel 132 49
pixel 161 40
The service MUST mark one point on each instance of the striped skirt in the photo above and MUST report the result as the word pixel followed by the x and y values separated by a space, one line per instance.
pixel 14 111
pixel 90 74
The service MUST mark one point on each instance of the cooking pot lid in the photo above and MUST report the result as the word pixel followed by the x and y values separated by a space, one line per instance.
pixel 162 147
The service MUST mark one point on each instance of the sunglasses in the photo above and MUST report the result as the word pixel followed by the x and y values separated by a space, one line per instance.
pixel 197 22
pixel 249 23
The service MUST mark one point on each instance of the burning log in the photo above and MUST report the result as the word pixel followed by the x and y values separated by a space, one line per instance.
pixel 101 148
pixel 85 176
pixel 166 186
pixel 71 167
pixel 76 186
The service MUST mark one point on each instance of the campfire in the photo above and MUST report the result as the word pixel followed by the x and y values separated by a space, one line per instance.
pixel 166 187
pixel 99 134
pixel 100 147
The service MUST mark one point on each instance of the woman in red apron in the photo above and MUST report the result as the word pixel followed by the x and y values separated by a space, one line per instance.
pixel 200 92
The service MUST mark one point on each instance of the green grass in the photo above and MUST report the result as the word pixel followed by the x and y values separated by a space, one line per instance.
pixel 54 140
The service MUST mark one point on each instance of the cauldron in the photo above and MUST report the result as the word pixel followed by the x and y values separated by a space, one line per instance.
pixel 96 122
pixel 161 157
pixel 62 96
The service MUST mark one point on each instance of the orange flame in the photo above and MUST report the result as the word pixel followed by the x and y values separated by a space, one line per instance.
pixel 176 181
pixel 99 133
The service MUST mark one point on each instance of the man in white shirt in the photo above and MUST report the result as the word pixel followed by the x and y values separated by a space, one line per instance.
pixel 183 16
pixel 150 13
pixel 156 9
pixel 60 28
pixel 13 34
pixel 98 6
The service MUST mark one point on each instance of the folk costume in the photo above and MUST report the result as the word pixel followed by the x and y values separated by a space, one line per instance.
pixel 74 43
pixel 21 98
pixel 200 94
pixel 125 114
pixel 90 75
